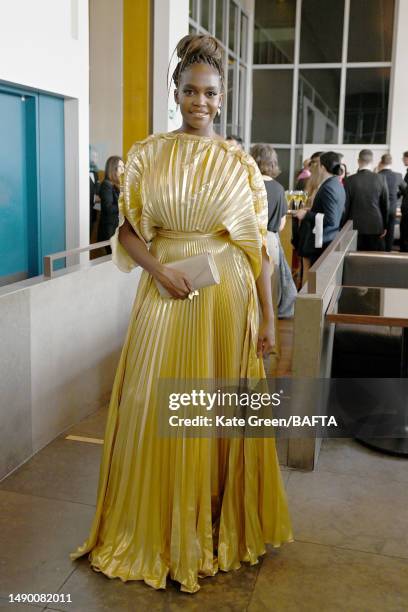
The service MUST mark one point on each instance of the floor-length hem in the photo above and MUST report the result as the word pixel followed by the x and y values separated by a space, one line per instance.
pixel 159 583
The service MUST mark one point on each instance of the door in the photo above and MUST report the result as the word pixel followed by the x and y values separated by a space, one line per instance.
pixel 14 230
pixel 52 176
pixel 32 182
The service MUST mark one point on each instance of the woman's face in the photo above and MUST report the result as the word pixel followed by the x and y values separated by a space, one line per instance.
pixel 121 168
pixel 119 171
pixel 199 96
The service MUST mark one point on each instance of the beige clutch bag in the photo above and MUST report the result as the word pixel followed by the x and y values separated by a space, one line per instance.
pixel 201 270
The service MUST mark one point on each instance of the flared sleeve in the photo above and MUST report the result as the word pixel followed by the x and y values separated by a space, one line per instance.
pixel 260 199
pixel 130 207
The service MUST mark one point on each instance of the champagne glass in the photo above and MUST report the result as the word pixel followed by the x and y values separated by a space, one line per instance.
pixel 298 199
pixel 289 198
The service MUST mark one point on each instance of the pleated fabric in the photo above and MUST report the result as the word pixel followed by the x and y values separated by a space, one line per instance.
pixel 187 507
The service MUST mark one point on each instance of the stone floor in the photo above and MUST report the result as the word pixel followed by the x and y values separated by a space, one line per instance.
pixel 350 521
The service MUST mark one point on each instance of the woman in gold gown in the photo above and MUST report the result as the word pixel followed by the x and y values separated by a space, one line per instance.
pixel 177 506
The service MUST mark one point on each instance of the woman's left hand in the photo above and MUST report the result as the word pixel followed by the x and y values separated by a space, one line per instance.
pixel 266 338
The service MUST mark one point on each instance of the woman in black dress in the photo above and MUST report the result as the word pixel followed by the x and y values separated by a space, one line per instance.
pixel 109 195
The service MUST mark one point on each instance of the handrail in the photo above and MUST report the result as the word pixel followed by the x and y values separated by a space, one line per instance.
pixel 336 245
pixel 49 259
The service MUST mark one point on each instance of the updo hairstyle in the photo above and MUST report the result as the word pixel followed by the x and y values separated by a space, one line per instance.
pixel 198 49
pixel 332 162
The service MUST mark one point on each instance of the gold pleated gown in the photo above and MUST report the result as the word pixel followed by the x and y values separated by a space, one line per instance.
pixel 186 507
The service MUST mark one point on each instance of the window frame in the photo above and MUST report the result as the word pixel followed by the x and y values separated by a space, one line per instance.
pixel 343 65
pixel 236 55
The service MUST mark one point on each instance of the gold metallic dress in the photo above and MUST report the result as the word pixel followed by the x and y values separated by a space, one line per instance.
pixel 176 506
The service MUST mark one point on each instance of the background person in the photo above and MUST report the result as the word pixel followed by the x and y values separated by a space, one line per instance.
pixel 395 185
pixel 404 209
pixel 313 182
pixel 109 196
pixel 94 186
pixel 303 176
pixel 367 204
pixel 236 140
pixel 344 173
pixel 284 289
pixel 329 200
pixel 299 263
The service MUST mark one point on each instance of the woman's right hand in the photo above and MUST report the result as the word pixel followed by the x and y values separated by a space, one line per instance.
pixel 177 283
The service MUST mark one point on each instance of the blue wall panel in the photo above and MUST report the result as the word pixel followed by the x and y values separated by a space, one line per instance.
pixel 13 186
pixel 32 182
pixel 52 175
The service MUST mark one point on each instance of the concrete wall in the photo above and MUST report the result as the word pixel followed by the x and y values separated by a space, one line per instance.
pixel 106 77
pixel 61 340
pixel 44 46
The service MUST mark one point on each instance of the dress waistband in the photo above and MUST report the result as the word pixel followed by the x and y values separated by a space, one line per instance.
pixel 167 233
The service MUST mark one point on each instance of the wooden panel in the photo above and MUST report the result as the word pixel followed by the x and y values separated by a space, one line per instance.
pixel 136 71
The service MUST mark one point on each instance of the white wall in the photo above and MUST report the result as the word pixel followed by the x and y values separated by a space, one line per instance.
pixel 44 46
pixel 105 87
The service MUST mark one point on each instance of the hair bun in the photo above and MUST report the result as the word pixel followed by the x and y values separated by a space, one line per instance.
pixel 199 45
pixel 336 169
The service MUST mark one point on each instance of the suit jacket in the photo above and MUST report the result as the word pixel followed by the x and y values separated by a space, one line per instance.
pixel 109 221
pixel 330 200
pixel 367 202
pixel 394 182
pixel 404 192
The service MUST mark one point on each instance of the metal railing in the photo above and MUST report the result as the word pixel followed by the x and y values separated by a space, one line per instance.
pixel 49 259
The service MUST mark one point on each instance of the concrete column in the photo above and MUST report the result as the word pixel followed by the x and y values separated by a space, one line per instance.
pixel 105 77
pixel 170 24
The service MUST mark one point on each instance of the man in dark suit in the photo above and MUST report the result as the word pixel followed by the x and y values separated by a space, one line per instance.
pixel 395 185
pixel 367 204
pixel 404 209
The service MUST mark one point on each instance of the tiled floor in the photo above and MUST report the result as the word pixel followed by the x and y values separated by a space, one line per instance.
pixel 350 521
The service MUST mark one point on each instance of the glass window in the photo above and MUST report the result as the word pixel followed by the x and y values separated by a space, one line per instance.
pixel 205 14
pixel 317 43
pixel 232 86
pixel 219 20
pixel 274 31
pixel 284 165
pixel 272 105
pixel 193 9
pixel 318 105
pixel 232 25
pixel 217 121
pixel 242 100
pixel 244 38
pixel 366 105
pixel 370 31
